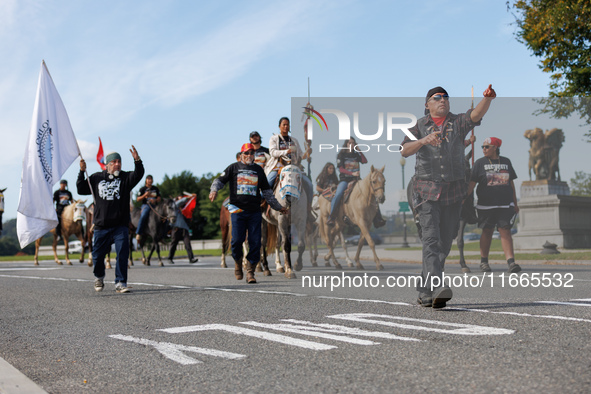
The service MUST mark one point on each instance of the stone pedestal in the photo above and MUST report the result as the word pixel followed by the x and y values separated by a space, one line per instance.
pixel 547 212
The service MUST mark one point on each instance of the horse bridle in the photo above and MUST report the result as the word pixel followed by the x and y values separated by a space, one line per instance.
pixel 164 218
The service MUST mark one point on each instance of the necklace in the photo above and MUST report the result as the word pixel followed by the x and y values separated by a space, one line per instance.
pixel 490 161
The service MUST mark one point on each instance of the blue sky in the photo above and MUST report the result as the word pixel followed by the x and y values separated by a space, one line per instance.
pixel 185 81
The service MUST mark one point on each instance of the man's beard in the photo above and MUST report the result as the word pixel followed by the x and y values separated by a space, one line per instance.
pixel 248 160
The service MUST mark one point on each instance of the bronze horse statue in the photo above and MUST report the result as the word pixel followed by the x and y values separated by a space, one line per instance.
pixel 543 153
pixel 72 217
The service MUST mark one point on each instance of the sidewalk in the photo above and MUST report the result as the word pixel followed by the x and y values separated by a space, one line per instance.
pixel 13 381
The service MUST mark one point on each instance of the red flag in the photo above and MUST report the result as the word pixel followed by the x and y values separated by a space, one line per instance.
pixel 187 211
pixel 100 156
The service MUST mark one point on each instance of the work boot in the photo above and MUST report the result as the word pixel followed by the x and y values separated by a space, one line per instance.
pixel 250 274
pixel 238 271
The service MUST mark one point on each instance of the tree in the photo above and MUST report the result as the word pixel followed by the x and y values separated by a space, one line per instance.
pixel 206 216
pixel 580 185
pixel 559 32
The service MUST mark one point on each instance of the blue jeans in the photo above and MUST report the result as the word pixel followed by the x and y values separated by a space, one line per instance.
pixel 144 216
pixel 439 224
pixel 102 245
pixel 241 223
pixel 338 196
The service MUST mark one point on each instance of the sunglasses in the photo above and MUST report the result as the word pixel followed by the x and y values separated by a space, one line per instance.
pixel 248 153
pixel 486 146
pixel 438 97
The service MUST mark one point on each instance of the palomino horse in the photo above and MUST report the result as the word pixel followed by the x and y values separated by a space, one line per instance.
pixel 319 232
pixel 72 217
pixel 291 194
pixel 1 207
pixel 161 219
pixel 361 208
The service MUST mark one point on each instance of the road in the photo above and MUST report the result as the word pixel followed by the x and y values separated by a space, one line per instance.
pixel 194 328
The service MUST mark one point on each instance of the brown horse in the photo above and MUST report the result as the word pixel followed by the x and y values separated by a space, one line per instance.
pixel 72 218
pixel 1 207
pixel 90 235
pixel 361 208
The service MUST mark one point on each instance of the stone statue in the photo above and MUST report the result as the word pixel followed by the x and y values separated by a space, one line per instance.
pixel 543 153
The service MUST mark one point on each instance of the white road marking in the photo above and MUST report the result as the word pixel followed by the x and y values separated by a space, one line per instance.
pixel 462 329
pixel 520 314
pixel 174 351
pixel 251 333
pixel 31 269
pixel 563 303
pixel 583 299
pixel 349 330
pixel 293 329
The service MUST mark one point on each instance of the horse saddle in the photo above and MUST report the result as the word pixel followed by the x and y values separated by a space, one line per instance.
pixel 348 190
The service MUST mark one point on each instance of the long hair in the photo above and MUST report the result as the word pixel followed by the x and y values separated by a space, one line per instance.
pixel 324 177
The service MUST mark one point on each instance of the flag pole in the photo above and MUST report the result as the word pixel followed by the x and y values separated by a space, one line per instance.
pixel 472 107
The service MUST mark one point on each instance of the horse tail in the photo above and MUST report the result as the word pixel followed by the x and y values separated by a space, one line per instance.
pixel 271 237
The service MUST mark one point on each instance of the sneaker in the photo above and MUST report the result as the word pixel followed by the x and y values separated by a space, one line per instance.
pixel 484 267
pixel 121 288
pixel 170 261
pixel 425 300
pixel 98 285
pixel 441 296
pixel 514 268
pixel 193 260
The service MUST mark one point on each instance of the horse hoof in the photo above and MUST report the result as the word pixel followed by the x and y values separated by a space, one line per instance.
pixel 350 265
pixel 69 263
pixel 81 261
pixel 298 266
pixel 379 267
pixel 36 263
pixel 161 264
pixel 466 270
pixel 314 264
pixel 327 264
pixel 338 266
pixel 224 265
pixel 267 272
pixel 290 275
pixel 130 263
pixel 258 269
pixel 58 263
pixel 279 269
pixel 108 266
pixel 90 263
pixel 360 266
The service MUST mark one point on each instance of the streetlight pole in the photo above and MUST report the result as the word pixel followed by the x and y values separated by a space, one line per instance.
pixel 404 241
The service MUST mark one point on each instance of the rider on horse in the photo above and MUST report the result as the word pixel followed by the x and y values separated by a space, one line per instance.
pixel 62 198
pixel 149 195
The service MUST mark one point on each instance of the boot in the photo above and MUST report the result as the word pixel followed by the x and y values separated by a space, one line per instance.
pixel 238 271
pixel 250 274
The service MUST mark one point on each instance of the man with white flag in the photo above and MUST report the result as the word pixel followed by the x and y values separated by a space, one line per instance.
pixel 50 150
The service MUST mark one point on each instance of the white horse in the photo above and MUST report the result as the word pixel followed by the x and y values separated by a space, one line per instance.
pixel 290 194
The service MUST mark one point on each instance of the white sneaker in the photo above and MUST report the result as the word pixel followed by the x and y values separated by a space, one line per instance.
pixel 121 288
pixel 98 284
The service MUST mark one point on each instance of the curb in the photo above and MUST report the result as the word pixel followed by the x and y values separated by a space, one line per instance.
pixel 13 381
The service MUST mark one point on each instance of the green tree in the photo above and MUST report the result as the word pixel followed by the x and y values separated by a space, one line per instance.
pixel 580 185
pixel 9 240
pixel 559 32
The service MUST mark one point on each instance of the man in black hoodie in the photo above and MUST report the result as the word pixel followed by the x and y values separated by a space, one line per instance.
pixel 111 190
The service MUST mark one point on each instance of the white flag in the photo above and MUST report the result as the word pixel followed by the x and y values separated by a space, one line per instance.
pixel 50 150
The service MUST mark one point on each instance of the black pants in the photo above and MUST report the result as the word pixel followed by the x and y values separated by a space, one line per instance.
pixel 177 235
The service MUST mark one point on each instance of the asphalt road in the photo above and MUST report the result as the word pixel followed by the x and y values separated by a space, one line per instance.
pixel 194 328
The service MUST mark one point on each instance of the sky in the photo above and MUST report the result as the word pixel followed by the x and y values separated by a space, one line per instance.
pixel 185 82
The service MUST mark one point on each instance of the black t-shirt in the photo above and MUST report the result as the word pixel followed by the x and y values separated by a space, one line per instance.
pixel 349 164
pixel 259 156
pixel 246 181
pixel 62 198
pixel 494 178
pixel 154 193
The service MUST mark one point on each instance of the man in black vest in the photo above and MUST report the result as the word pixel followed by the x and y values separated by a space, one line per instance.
pixel 440 185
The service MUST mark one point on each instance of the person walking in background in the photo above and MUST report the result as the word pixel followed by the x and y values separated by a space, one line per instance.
pixel 497 201
pixel 185 205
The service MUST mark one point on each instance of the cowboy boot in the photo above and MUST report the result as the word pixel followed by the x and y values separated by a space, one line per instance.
pixel 250 274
